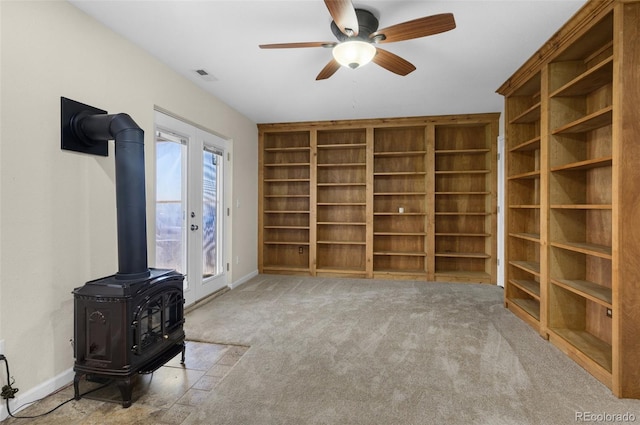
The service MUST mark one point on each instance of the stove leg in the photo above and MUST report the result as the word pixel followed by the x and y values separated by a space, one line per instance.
pixel 126 389
pixel 184 349
pixel 76 386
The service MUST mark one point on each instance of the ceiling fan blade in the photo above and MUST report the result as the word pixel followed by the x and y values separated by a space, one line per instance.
pixel 393 62
pixel 297 45
pixel 328 70
pixel 344 15
pixel 416 28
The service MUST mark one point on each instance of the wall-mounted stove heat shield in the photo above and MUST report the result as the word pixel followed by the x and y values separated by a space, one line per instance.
pixel 72 140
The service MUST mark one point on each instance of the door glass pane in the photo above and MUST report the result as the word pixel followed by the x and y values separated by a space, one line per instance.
pixel 211 211
pixel 170 229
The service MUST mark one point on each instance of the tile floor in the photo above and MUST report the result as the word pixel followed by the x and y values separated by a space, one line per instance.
pixel 168 396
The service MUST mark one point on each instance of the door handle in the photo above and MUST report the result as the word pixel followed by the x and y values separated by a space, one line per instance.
pixel 194 227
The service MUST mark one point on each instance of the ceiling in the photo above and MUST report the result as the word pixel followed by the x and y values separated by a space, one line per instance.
pixel 457 71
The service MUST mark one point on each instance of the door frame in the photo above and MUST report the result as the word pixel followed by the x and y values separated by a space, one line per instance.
pixel 192 132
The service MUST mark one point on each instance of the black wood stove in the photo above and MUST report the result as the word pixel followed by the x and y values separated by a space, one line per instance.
pixel 130 322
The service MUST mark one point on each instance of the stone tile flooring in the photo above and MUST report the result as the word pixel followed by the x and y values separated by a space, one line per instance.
pixel 168 396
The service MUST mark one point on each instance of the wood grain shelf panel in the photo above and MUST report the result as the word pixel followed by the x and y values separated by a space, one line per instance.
pixel 530 306
pixel 401 153
pixel 462 254
pixel 342 146
pixel 585 165
pixel 587 123
pixel 533 237
pixel 479 151
pixel 531 287
pixel 585 248
pixel 587 82
pixel 594 348
pixel 402 253
pixel 529 116
pixel 581 206
pixel 529 145
pixel 460 235
pixel 301 243
pixel 590 290
pixel 535 174
pixel 448 172
pixel 532 267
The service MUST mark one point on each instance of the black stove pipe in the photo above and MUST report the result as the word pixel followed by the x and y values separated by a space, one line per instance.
pixel 130 186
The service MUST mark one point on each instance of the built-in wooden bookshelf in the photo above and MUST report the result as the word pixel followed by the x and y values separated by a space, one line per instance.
pixel 341 202
pixel 400 202
pixel 465 190
pixel 572 251
pixel 285 192
pixel 407 198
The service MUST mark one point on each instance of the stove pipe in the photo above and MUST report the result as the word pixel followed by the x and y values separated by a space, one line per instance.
pixel 130 185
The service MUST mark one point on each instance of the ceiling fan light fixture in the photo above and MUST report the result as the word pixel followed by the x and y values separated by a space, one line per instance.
pixel 354 54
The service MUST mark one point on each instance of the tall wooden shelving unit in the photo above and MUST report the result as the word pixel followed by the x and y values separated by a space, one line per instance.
pixel 406 198
pixel 400 202
pixel 573 267
pixel 465 198
pixel 341 202
pixel 285 192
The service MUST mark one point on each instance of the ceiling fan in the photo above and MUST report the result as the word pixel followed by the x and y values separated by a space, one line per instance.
pixel 357 33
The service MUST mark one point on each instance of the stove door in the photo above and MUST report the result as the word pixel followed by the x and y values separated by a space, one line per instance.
pixel 158 322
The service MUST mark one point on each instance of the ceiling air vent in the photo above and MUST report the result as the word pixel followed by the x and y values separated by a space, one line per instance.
pixel 205 75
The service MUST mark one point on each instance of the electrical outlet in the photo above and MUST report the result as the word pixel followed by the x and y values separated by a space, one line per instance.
pixel 2 346
pixel 300 250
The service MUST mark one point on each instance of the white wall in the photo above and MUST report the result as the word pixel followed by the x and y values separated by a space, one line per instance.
pixel 57 208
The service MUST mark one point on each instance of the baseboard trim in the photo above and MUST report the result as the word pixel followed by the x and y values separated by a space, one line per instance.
pixel 243 279
pixel 46 388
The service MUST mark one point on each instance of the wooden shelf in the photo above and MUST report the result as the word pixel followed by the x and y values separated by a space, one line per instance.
pixel 531 287
pixel 401 153
pixel 590 290
pixel 343 146
pixel 463 254
pixel 342 184
pixel 401 253
pixel 480 151
pixel 533 237
pixel 530 115
pixel 532 267
pixel 535 174
pixel 288 227
pixel 289 149
pixel 581 206
pixel 344 164
pixel 529 145
pixel 594 348
pixel 400 173
pixel 461 213
pixel 531 307
pixel 588 81
pixel 585 248
pixel 448 172
pixel 590 122
pixel 585 165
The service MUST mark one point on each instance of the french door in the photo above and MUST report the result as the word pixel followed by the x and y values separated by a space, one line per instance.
pixel 192 189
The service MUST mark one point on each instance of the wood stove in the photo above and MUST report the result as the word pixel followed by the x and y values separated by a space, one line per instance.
pixel 125 329
pixel 130 322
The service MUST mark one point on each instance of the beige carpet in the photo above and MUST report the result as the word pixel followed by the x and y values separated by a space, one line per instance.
pixel 358 351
